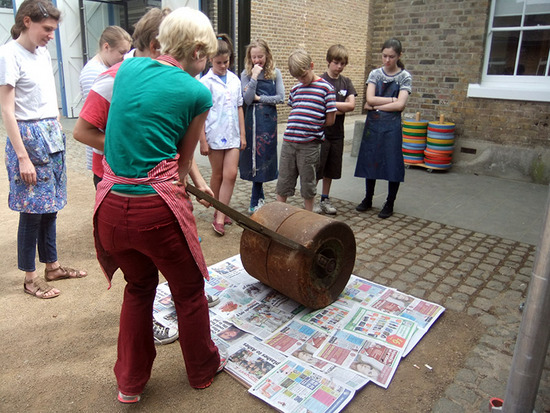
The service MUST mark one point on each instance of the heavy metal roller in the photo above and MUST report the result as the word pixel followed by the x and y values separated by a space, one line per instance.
pixel 305 256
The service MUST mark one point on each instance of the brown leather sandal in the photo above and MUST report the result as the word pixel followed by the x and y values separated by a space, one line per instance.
pixel 42 288
pixel 65 272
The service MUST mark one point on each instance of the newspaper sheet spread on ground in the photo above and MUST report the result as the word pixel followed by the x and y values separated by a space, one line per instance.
pixel 297 359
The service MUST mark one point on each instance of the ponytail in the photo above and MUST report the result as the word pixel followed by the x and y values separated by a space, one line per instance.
pixel 395 45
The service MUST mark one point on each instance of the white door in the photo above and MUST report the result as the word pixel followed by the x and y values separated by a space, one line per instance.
pixel 96 19
pixel 6 21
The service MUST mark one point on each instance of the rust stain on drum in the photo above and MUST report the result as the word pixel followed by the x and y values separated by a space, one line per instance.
pixel 313 279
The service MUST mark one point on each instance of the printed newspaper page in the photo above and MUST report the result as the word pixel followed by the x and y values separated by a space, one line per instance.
pixel 329 318
pixel 294 388
pixel 226 335
pixel 359 292
pixel 422 312
pixel 384 328
pixel 164 310
pixel 252 361
pixel 260 319
pixel 372 360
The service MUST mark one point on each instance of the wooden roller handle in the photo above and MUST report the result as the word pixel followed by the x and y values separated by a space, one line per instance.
pixel 417 118
pixel 441 118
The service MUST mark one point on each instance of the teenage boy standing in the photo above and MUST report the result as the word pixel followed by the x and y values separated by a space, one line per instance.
pixel 332 148
pixel 313 108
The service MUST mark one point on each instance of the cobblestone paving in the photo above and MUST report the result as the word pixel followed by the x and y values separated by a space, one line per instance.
pixel 465 271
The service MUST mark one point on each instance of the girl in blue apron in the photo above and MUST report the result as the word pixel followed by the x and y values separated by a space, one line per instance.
pixel 380 154
pixel 263 89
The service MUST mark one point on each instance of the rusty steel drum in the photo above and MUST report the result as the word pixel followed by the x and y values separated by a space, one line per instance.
pixel 313 276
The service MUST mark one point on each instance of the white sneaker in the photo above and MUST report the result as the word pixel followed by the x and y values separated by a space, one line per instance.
pixel 327 207
pixel 260 204
pixel 212 301
pixel 164 335
pixel 317 208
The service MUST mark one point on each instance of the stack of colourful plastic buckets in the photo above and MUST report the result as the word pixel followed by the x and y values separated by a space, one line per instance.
pixel 414 140
pixel 439 145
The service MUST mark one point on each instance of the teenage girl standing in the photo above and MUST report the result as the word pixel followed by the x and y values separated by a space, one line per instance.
pixel 263 89
pixel 224 129
pixel 380 154
pixel 35 149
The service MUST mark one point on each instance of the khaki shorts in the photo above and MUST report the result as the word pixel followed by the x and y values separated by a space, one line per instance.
pixel 298 159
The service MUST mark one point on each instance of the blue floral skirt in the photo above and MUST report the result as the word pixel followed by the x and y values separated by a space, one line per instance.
pixel 45 145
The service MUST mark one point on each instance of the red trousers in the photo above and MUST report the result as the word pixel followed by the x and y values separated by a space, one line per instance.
pixel 143 236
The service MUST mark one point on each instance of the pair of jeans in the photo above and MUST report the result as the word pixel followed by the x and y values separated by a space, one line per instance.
pixel 36 229
pixel 257 193
pixel 143 237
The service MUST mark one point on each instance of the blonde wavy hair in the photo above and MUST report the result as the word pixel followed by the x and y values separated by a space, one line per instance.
pixel 269 68
pixel 185 31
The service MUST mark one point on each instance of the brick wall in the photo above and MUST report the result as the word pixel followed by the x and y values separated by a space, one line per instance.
pixel 443 43
pixel 287 25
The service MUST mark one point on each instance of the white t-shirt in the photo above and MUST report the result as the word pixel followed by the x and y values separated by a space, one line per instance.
pixel 31 75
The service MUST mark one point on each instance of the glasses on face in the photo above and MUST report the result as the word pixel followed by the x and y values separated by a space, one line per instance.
pixel 43 10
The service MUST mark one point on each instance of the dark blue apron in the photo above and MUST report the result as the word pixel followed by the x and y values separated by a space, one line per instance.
pixel 380 155
pixel 258 162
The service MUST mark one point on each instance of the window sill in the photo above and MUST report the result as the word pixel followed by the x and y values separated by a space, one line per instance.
pixel 533 93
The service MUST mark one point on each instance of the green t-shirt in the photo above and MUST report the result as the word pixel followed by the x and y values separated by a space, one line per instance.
pixel 151 109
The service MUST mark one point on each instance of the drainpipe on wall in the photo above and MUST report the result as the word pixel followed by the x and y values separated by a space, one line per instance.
pixel 244 33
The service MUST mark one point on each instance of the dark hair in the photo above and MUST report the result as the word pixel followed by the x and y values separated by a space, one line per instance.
pixel 37 10
pixel 395 45
pixel 147 28
pixel 225 46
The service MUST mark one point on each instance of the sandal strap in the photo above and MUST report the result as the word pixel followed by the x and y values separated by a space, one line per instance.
pixel 40 285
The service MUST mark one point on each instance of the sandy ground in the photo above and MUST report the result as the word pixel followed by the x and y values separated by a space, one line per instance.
pixel 58 355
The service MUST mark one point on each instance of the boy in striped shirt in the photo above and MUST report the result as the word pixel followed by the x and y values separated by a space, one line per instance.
pixel 313 105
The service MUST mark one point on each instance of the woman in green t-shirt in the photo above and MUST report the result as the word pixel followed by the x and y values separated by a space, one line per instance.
pixel 143 220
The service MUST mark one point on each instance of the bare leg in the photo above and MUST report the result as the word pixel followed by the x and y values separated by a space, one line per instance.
pixel 216 162
pixel 229 176
pixel 308 204
pixel 326 186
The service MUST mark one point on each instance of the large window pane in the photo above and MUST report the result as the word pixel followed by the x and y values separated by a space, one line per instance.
pixel 537 20
pixel 502 58
pixel 534 53
pixel 508 13
pixel 537 13
pixel 8 4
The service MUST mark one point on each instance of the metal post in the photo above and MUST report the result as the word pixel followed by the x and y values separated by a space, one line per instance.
pixel 534 333
pixel 244 32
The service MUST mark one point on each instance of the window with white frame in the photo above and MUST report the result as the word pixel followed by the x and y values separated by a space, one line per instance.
pixel 516 64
